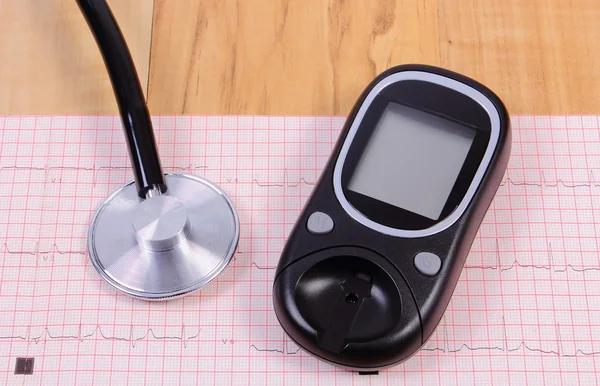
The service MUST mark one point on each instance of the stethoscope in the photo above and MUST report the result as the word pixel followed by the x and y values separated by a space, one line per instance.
pixel 163 235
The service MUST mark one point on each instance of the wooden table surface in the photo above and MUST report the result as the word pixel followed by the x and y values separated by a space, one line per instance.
pixel 308 57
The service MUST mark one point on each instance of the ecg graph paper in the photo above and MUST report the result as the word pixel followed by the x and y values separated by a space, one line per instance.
pixel 526 309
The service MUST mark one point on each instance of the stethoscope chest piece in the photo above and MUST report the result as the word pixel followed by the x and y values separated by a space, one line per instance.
pixel 168 244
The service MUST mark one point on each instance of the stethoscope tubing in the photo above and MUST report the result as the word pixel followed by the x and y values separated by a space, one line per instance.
pixel 135 117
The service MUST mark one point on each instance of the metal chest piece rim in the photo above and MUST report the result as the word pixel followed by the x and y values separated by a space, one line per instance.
pixel 167 245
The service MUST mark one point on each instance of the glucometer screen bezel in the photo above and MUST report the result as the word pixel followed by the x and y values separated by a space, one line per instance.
pixel 430 98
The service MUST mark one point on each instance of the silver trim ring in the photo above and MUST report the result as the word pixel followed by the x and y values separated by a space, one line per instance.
pixel 176 292
pixel 453 217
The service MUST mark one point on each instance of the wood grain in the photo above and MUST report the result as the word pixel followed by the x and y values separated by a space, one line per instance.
pixel 50 63
pixel 280 57
pixel 538 55
pixel 305 57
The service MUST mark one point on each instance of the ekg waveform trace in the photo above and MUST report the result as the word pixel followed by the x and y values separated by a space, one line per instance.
pixel 526 309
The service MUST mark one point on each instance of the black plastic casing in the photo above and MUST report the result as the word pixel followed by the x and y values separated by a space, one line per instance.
pixel 354 297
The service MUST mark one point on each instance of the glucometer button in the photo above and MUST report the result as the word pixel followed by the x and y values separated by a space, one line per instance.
pixel 428 263
pixel 319 223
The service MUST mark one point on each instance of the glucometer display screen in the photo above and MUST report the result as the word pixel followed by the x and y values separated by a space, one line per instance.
pixel 412 160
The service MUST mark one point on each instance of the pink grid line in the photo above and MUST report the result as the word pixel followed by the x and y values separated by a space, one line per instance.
pixel 527 307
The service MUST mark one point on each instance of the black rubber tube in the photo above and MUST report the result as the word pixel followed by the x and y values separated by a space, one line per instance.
pixel 134 113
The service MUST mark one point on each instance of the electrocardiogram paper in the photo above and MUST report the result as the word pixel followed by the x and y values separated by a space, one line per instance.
pixel 526 309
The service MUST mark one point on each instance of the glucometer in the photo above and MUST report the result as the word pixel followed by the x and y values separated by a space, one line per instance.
pixel 373 259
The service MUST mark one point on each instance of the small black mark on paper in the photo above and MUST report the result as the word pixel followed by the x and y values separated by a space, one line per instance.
pixel 24 366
